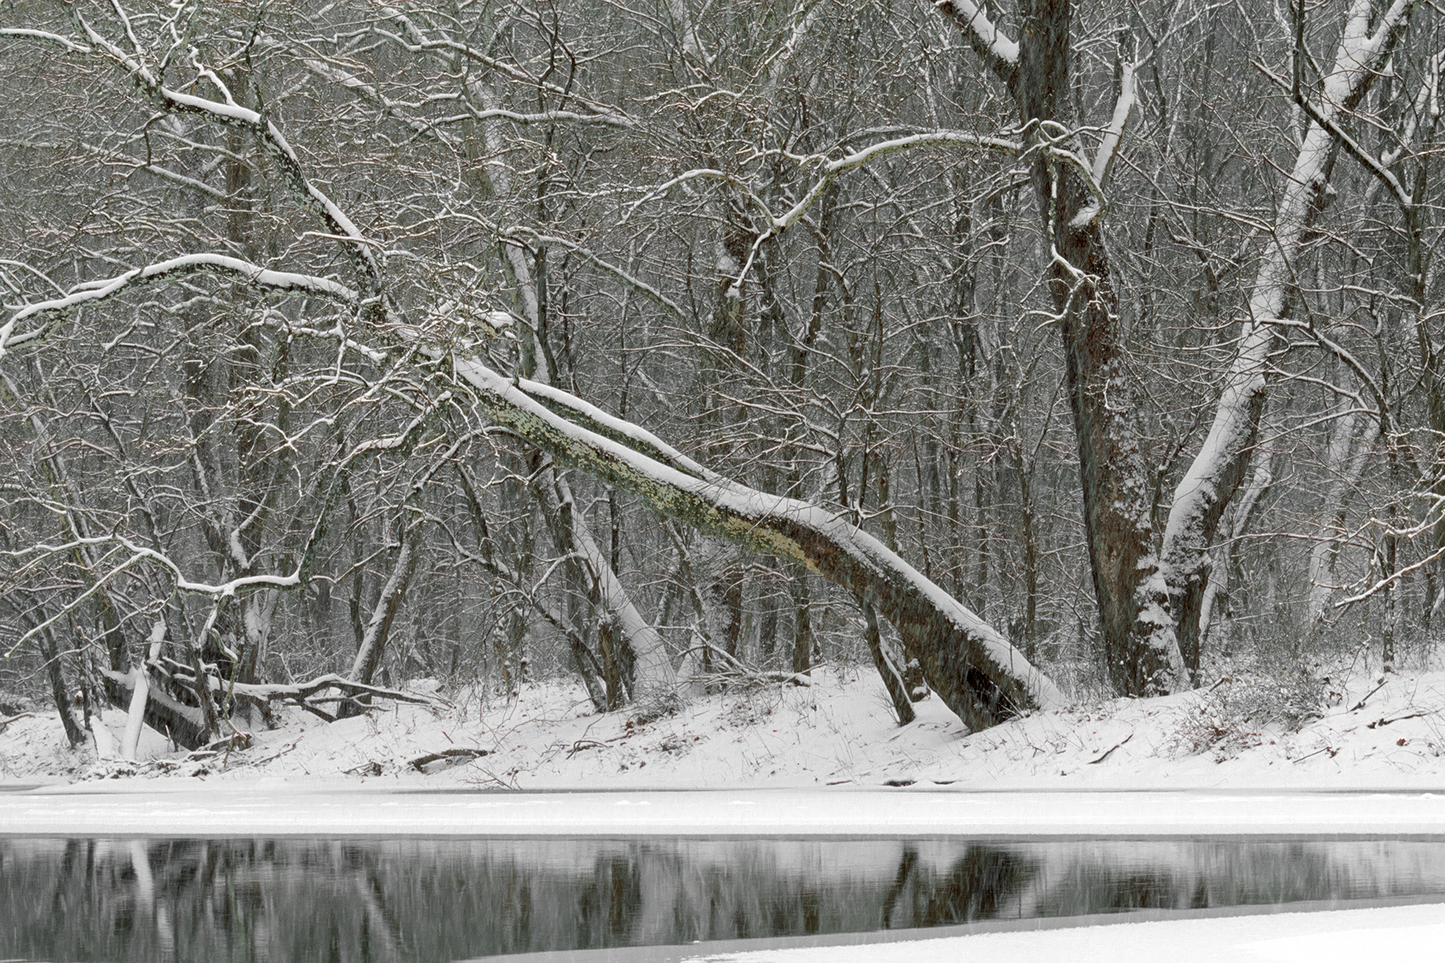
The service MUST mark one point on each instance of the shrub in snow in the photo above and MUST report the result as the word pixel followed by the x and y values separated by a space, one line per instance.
pixel 1237 711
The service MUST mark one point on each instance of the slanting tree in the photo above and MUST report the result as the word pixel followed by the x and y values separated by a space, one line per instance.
pixel 1149 594
pixel 428 357
pixel 318 312
pixel 1174 585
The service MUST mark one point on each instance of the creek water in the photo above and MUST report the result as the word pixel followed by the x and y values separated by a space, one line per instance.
pixel 122 899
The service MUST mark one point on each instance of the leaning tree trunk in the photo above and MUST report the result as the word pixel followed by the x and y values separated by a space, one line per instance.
pixel 377 631
pixel 975 671
pixel 1174 589
pixel 654 680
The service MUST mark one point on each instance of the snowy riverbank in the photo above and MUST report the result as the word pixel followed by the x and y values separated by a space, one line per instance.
pixel 837 733
pixel 808 762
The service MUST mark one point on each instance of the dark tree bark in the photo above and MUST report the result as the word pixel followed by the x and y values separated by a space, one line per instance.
pixel 1103 398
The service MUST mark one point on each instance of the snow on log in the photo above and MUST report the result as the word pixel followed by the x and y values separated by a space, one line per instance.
pixel 973 668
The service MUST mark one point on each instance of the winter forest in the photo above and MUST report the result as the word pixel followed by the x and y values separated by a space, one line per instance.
pixel 1018 349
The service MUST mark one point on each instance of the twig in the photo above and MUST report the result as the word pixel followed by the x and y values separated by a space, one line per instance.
pixel 1361 704
pixel 746 672
pixel 1330 749
pixel 276 755
pixel 1385 722
pixel 1094 762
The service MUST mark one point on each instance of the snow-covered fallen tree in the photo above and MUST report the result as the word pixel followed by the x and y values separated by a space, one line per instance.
pixel 972 667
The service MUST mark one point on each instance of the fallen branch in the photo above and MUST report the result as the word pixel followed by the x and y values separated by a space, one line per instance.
pixel 273 756
pixel 300 692
pixel 236 740
pixel 1361 704
pixel 1385 722
pixel 6 722
pixel 446 759
pixel 743 672
pixel 1330 749
pixel 1095 762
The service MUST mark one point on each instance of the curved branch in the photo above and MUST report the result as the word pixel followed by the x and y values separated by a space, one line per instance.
pixel 93 291
pixel 231 114
pixel 65 43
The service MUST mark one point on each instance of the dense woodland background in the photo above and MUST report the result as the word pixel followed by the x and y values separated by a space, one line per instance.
pixel 248 241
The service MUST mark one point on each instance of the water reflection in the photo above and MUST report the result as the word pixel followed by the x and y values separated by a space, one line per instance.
pixel 346 900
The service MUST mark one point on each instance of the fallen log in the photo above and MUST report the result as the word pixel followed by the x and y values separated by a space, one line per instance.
pixel 182 724
pixel 308 694
pixel 446 759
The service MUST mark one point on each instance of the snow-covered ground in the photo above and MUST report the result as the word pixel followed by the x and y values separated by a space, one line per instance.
pixel 825 760
pixel 838 733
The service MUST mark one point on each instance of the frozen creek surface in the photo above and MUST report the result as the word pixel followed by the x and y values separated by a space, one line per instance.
pixel 797 766
pixel 1041 835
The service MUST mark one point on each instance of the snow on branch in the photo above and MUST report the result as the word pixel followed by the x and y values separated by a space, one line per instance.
pixel 65 42
pixel 701 173
pixel 542 117
pixel 1381 585
pixel 1049 138
pixel 90 292
pixel 302 690
pixel 139 553
pixel 636 283
pixel 1001 50
pixel 1371 163
pixel 1128 95
pixel 272 140
pixel 416 40
pixel 857 159
pixel 135 555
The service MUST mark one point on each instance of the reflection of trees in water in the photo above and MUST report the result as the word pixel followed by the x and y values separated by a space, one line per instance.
pixel 193 899
pixel 1086 878
pixel 975 887
pixel 420 900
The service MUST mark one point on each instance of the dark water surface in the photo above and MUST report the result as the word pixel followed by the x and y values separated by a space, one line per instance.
pixel 352 900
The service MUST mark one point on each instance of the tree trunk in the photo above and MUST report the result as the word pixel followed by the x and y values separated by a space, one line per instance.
pixel 891 674
pixel 1173 590
pixel 1213 607
pixel 1349 450
pixel 966 661
pixel 653 679
pixel 378 628
pixel 1104 399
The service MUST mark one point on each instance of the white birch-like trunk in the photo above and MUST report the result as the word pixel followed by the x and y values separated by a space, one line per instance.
pixel 140 694
pixel 654 680
pixel 378 626
pixel 1238 520
pixel 1218 469
pixel 653 675
pixel 1349 450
